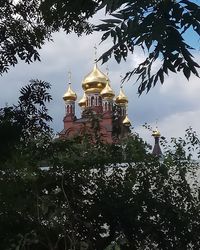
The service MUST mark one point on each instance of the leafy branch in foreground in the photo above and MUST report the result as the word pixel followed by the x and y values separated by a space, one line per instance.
pixel 26 124
pixel 26 25
pixel 159 28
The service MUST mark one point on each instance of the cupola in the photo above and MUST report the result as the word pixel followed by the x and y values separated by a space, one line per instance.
pixel 126 121
pixel 95 81
pixel 107 92
pixel 70 95
pixel 156 133
pixel 121 98
pixel 82 102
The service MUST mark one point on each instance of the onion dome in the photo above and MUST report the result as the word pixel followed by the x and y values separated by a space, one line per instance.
pixel 121 98
pixel 156 133
pixel 82 102
pixel 70 95
pixel 95 81
pixel 126 121
pixel 107 92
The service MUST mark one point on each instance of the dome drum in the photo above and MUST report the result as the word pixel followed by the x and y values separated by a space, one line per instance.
pixel 93 88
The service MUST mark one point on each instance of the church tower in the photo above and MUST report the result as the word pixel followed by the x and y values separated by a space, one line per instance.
pixel 69 99
pixel 122 102
pixel 156 149
pixel 107 98
pixel 122 123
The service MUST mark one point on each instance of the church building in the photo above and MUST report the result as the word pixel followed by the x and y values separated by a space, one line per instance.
pixel 102 113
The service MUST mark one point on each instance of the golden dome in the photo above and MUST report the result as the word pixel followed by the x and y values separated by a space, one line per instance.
pixel 126 121
pixel 121 98
pixel 107 92
pixel 95 81
pixel 82 102
pixel 70 95
pixel 156 133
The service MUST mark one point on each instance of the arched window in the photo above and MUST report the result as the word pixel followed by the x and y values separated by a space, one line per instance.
pixel 124 112
pixel 92 101
pixel 106 106
pixel 109 106
pixel 96 101
pixel 87 102
pixel 67 109
pixel 100 101
pixel 70 109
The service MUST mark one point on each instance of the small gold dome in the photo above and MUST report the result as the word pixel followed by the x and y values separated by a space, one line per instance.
pixel 156 133
pixel 126 121
pixel 70 95
pixel 95 81
pixel 82 102
pixel 107 92
pixel 121 98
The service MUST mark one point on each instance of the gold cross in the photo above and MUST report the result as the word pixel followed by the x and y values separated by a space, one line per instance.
pixel 107 70
pixel 121 82
pixel 69 76
pixel 95 53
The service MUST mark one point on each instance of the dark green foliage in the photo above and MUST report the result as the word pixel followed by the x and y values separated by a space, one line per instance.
pixel 22 32
pixel 26 123
pixel 25 25
pixel 32 108
pixel 10 131
pixel 83 195
pixel 159 28
pixel 72 194
pixel 69 15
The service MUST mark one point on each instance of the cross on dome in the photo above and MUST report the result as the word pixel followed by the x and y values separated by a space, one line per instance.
pixel 95 53
pixel 69 76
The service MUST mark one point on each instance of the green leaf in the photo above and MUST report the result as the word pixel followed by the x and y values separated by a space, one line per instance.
pixel 161 75
pixel 105 36
pixel 112 21
pixel 186 71
pixel 177 62
pixel 149 83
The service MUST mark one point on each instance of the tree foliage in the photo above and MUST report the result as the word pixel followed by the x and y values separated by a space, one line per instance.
pixel 159 27
pixel 57 194
pixel 25 25
pixel 26 124
pixel 22 32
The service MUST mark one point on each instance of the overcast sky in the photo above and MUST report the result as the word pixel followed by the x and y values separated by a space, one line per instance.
pixel 175 105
